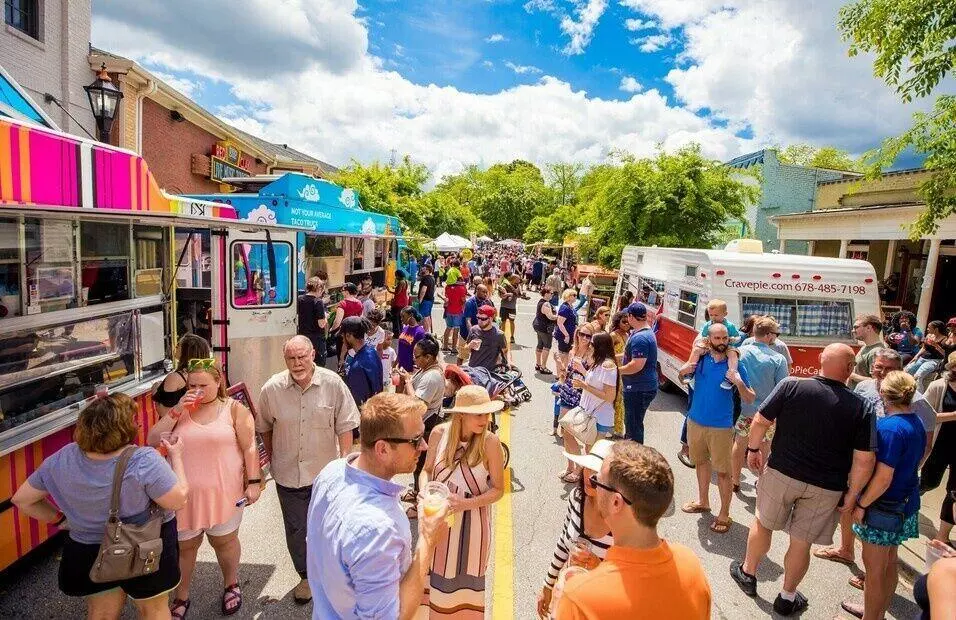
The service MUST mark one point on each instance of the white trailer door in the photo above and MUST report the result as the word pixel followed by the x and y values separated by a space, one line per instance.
pixel 261 308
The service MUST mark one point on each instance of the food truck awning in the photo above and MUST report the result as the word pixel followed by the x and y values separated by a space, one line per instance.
pixel 299 200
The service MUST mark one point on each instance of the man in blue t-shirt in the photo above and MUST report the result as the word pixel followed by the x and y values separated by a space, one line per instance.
pixel 639 372
pixel 363 374
pixel 710 425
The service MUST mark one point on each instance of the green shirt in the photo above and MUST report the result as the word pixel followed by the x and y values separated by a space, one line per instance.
pixel 865 357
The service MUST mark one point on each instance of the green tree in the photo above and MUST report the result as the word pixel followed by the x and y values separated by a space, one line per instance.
pixel 563 181
pixel 673 200
pixel 914 43
pixel 823 157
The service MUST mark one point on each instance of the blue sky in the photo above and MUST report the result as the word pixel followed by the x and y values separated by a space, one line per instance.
pixel 455 82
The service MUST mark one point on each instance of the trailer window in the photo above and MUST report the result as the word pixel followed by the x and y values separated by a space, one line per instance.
pixel 194 267
pixel 254 266
pixel 379 253
pixel 806 318
pixel 687 308
pixel 324 246
pixel 150 260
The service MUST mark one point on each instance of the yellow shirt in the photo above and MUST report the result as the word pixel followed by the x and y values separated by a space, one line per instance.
pixel 305 424
pixel 664 583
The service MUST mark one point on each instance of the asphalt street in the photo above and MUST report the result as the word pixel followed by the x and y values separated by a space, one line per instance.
pixel 523 544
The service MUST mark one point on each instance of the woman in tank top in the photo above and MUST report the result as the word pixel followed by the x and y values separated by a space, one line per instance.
pixel 222 466
pixel 167 394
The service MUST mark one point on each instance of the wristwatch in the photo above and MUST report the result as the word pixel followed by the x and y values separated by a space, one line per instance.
pixel 749 449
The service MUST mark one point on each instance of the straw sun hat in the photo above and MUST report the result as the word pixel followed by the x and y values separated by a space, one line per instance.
pixel 474 399
pixel 593 459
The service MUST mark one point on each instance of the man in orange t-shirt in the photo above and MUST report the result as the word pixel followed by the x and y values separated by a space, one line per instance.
pixel 643 576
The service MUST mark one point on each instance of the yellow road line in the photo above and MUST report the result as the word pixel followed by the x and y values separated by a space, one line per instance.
pixel 502 602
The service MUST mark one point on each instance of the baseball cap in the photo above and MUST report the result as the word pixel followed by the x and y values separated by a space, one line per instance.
pixel 637 310
pixel 487 311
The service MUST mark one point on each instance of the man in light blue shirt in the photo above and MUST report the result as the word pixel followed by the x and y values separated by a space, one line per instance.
pixel 765 368
pixel 360 559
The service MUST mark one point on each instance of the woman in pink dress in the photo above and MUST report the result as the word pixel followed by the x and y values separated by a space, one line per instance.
pixel 222 465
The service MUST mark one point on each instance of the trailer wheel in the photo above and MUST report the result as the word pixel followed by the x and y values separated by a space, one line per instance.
pixel 663 383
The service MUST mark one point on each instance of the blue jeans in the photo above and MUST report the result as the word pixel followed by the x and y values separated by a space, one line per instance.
pixel 635 407
pixel 920 369
pixel 582 299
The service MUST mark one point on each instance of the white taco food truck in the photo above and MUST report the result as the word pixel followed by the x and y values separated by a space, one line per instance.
pixel 815 299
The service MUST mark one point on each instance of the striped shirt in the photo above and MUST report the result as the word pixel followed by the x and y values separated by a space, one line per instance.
pixel 570 532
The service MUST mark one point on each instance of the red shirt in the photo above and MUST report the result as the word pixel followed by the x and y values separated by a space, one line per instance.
pixel 350 307
pixel 455 296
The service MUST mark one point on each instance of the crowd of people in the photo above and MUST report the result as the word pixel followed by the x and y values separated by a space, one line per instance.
pixel 855 445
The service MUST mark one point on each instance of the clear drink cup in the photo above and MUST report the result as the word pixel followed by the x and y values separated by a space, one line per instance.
pixel 435 497
pixel 170 438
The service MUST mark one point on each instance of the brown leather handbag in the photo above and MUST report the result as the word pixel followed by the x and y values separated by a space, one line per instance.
pixel 128 550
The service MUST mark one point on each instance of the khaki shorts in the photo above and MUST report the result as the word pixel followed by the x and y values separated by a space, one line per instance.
pixel 464 352
pixel 806 512
pixel 710 444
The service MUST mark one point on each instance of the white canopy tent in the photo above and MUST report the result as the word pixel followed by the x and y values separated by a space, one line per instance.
pixel 450 243
pixel 485 239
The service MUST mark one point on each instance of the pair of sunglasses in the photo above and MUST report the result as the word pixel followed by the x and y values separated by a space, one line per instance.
pixel 414 441
pixel 201 363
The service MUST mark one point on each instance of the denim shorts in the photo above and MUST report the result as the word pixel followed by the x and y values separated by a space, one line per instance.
pixel 453 320
pixel 606 430
pixel 425 307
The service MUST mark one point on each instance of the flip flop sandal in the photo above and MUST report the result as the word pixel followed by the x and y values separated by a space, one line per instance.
pixel 230 594
pixel 693 508
pixel 854 609
pixel 685 460
pixel 721 527
pixel 571 478
pixel 828 553
pixel 857 581
pixel 174 610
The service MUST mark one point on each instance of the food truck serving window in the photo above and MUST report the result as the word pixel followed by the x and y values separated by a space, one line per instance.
pixel 807 318
pixel 46 370
pixel 255 265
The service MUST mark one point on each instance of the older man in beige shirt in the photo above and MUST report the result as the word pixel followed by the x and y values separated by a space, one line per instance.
pixel 306 416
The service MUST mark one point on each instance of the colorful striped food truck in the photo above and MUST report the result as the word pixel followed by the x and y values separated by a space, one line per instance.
pixel 101 271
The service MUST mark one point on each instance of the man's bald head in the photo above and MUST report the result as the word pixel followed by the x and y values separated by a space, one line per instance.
pixel 837 362
pixel 718 329
pixel 296 342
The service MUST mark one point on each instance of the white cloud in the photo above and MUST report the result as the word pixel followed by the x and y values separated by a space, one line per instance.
pixel 188 87
pixel 260 38
pixel 580 28
pixel 522 69
pixel 784 71
pixel 630 85
pixel 652 43
pixel 496 38
pixel 673 13
pixel 487 64
pixel 635 25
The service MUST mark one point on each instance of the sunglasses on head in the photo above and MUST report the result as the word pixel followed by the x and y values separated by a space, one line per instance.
pixel 201 363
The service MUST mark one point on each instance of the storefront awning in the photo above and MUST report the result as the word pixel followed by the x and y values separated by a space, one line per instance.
pixel 871 223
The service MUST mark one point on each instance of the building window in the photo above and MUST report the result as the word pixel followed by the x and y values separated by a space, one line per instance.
pixel 24 15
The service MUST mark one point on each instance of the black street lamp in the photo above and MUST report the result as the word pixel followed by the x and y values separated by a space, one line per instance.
pixel 104 98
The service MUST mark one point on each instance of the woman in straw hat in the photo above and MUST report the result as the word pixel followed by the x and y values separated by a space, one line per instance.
pixel 583 521
pixel 468 458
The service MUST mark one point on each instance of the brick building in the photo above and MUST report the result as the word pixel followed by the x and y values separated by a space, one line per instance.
pixel 189 150
pixel 44 46
pixel 783 189
pixel 870 220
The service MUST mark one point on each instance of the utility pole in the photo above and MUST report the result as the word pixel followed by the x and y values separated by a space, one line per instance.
pixel 392 158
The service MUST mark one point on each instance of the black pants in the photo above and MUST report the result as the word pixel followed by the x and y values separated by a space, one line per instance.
pixel 295 512
pixel 430 423
pixel 942 456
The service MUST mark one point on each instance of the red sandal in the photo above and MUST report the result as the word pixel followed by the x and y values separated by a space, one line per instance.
pixel 231 593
